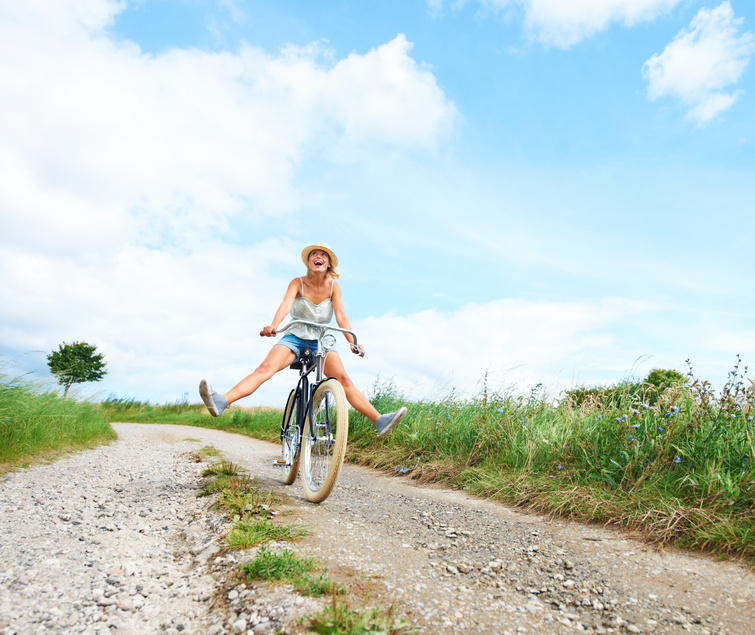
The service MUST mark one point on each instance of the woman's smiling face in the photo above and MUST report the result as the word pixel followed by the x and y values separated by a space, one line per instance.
pixel 319 260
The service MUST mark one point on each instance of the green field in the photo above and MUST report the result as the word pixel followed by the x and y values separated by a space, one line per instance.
pixel 674 462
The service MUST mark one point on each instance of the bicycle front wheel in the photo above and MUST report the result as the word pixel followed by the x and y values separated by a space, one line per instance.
pixel 290 439
pixel 324 443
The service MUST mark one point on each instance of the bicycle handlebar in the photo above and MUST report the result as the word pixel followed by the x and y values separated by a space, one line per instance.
pixel 324 327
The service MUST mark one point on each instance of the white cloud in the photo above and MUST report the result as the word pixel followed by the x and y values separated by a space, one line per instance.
pixel 105 130
pixel 123 172
pixel 701 63
pixel 565 23
pixel 517 343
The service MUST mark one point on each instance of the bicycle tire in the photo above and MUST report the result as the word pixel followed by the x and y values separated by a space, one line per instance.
pixel 322 455
pixel 290 440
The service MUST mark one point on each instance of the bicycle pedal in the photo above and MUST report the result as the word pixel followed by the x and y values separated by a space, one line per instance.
pixel 281 463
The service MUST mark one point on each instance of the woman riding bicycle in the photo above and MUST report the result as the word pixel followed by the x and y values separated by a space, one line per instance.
pixel 315 297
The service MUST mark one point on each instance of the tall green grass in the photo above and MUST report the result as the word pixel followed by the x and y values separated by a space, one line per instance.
pixel 678 464
pixel 35 420
pixel 261 423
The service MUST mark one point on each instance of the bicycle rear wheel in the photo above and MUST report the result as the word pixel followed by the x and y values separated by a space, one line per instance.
pixel 290 440
pixel 324 443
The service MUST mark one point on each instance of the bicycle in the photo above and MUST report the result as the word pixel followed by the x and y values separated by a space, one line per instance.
pixel 315 424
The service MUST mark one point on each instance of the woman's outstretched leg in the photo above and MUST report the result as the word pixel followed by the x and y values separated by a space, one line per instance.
pixel 383 423
pixel 277 359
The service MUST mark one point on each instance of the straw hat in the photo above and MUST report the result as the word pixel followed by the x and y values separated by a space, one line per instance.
pixel 322 247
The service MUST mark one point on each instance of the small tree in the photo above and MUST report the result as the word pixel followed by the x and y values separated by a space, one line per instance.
pixel 76 363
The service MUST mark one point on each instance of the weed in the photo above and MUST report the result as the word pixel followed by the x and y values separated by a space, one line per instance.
pixel 285 566
pixel 209 451
pixel 339 619
pixel 250 532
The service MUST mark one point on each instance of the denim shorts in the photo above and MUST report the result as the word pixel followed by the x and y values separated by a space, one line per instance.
pixel 298 345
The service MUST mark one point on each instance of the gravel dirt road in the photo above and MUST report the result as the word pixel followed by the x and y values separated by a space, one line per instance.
pixel 114 540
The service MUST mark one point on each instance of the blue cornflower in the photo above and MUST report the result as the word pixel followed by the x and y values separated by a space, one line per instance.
pixel 619 419
pixel 438 423
pixel 403 470
pixel 675 409
pixel 645 406
pixel 677 460
pixel 733 416
pixel 600 416
pixel 560 467
pixel 625 417
pixel 660 429
pixel 500 409
pixel 635 411
pixel 635 425
pixel 749 418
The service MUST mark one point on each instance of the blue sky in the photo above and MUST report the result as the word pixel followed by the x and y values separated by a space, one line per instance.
pixel 546 192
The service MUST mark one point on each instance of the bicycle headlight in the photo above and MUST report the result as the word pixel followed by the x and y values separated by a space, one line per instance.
pixel 328 341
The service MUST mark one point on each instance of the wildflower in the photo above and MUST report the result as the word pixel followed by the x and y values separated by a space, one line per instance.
pixel 675 409
pixel 500 409
pixel 625 417
pixel 560 467
pixel 438 423
pixel 600 416
pixel 677 459
pixel 403 470
pixel 645 406
pixel 635 411
pixel 550 475
pixel 749 418
pixel 619 419
pixel 733 416
pixel 737 404
pixel 635 425
pixel 660 429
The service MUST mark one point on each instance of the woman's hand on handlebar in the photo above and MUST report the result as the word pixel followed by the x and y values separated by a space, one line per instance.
pixel 268 331
pixel 357 350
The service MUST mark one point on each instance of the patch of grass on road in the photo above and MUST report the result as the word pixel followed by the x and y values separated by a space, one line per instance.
pixel 285 566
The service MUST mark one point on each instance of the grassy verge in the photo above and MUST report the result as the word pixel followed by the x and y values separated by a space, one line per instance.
pixel 36 423
pixel 676 464
pixel 260 423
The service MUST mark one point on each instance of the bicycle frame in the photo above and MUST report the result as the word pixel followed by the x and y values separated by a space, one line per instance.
pixel 317 451
pixel 304 388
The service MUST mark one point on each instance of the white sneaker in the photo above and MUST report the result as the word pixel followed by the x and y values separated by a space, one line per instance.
pixel 214 401
pixel 387 422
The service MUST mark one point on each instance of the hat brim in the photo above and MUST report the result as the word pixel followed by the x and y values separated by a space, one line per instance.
pixel 322 247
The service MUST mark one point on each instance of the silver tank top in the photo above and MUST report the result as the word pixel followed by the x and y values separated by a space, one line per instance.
pixel 304 309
